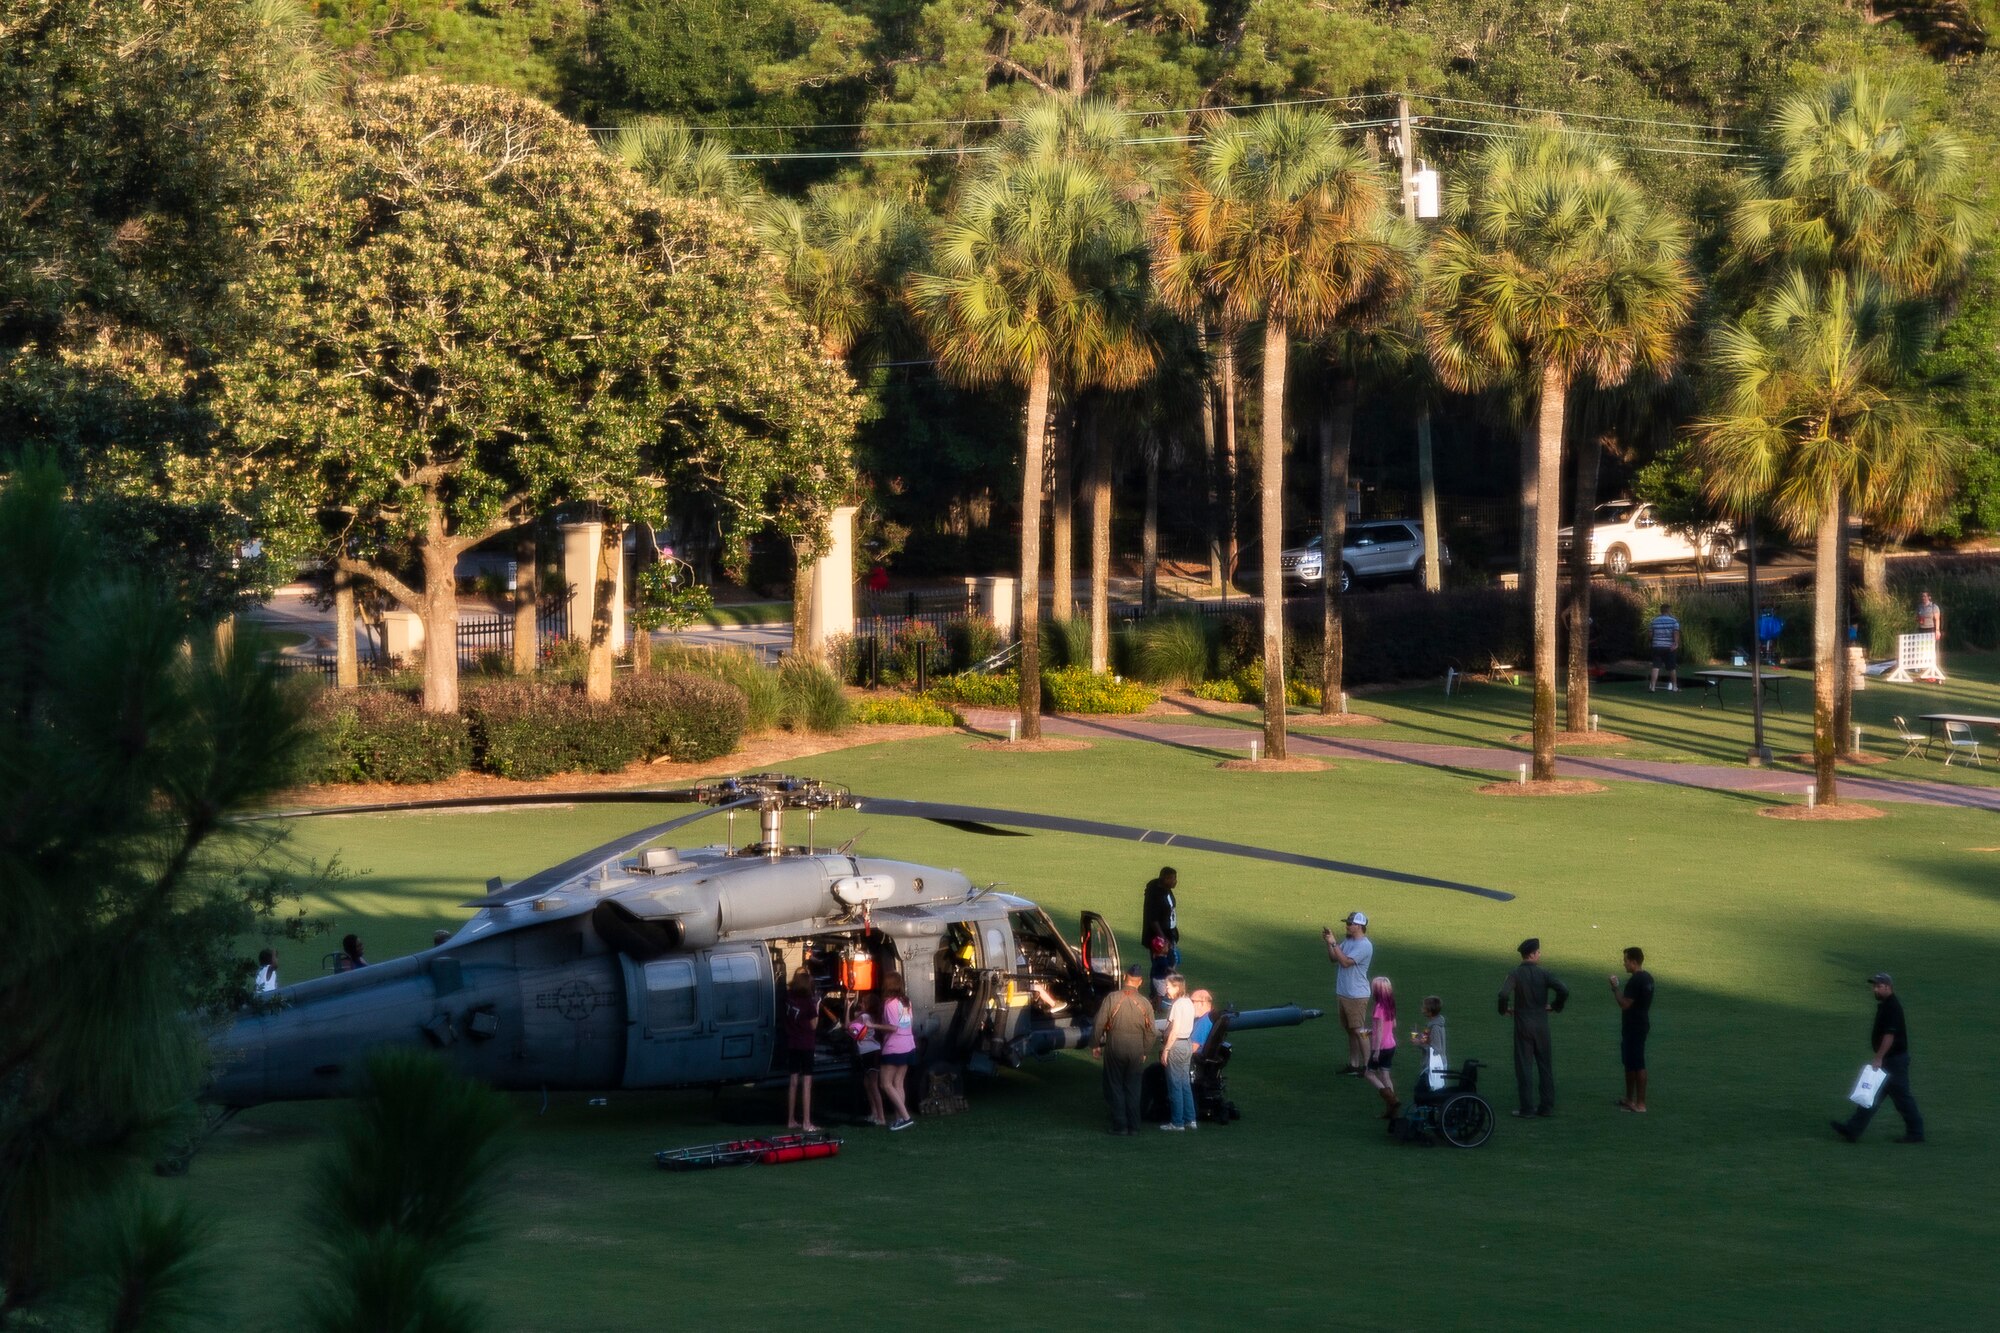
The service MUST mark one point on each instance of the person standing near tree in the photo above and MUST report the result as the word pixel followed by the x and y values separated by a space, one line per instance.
pixel 1531 993
pixel 1162 917
pixel 1930 620
pixel 1122 1036
pixel 1350 987
pixel 1664 633
pixel 1635 1020
pixel 267 971
pixel 1891 1038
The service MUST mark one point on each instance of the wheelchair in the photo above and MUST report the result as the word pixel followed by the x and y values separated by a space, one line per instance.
pixel 1455 1113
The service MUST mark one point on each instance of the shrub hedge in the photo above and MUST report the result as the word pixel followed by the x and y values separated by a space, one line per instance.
pixel 381 736
pixel 519 729
pixel 1064 690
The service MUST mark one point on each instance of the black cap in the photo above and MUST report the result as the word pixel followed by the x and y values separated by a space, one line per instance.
pixel 1135 971
pixel 1881 979
pixel 1529 946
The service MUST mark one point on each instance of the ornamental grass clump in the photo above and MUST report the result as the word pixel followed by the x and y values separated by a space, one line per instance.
pixel 1172 650
pixel 813 698
pixel 763 694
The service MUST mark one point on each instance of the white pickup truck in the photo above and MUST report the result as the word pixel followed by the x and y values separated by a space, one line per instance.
pixel 1626 534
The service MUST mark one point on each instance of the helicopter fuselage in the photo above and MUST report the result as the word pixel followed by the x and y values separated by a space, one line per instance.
pixel 669 972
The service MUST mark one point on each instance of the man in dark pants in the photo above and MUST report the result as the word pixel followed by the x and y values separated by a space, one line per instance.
pixel 1635 1020
pixel 1122 1037
pixel 1892 1055
pixel 1162 919
pixel 1527 995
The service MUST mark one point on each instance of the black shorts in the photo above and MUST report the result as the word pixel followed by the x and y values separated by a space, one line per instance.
pixel 868 1061
pixel 798 1062
pixel 1632 1050
pixel 1382 1059
pixel 1663 659
pixel 899 1058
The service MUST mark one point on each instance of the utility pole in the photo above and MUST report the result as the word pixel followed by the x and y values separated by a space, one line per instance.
pixel 1426 472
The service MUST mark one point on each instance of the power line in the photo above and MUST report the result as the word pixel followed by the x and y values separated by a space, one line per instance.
pixel 1576 115
pixel 972 150
pixel 1705 147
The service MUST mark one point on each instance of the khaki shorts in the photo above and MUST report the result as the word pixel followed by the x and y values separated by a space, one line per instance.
pixel 1353 1013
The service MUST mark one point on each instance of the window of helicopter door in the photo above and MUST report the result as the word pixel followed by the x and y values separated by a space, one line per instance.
pixel 739 987
pixel 998 955
pixel 670 996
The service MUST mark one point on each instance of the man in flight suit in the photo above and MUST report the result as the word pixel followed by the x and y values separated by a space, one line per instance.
pixel 1123 1037
pixel 1531 994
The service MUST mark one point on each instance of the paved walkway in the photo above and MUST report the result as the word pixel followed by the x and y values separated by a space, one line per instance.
pixel 1474 760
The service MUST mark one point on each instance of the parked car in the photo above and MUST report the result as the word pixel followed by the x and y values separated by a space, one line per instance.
pixel 1376 551
pixel 1625 535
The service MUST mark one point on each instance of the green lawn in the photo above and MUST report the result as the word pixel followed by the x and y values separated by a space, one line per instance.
pixel 1729 1206
pixel 1676 726
pixel 748 613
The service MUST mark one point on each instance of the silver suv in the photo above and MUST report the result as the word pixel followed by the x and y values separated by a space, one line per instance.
pixel 1374 552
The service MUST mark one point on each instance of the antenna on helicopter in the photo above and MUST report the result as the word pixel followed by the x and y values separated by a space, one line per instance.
pixel 848 846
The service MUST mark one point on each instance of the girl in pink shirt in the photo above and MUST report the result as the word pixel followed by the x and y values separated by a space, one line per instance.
pixel 1382 1046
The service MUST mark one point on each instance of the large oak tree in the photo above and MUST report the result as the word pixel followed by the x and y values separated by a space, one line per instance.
pixel 478 317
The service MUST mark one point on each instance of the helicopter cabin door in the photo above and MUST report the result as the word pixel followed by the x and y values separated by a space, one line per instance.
pixel 1099 950
pixel 700 1018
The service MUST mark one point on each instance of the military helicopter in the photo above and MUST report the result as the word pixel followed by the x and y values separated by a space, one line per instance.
pixel 636 966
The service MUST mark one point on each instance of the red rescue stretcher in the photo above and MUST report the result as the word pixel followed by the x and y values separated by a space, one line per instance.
pixel 773 1150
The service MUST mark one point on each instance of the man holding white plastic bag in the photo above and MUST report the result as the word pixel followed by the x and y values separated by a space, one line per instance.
pixel 1892 1057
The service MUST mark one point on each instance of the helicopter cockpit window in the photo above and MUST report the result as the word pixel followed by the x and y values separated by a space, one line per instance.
pixel 670 993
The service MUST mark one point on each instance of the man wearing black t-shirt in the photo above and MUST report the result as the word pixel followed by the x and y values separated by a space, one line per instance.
pixel 1892 1055
pixel 1162 919
pixel 1634 1021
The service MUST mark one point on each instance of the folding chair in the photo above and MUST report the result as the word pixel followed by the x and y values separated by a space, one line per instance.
pixel 1914 742
pixel 1958 736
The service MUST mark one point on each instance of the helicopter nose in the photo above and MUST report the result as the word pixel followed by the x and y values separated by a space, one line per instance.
pixel 237 1064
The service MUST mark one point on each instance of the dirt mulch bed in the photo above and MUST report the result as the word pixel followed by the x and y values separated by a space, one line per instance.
pixel 1558 787
pixel 1046 745
pixel 1527 738
pixel 1291 764
pixel 1842 812
pixel 1338 720
pixel 757 754
pixel 1856 759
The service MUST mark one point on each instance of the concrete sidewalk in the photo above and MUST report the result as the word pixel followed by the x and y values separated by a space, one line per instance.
pixel 1224 743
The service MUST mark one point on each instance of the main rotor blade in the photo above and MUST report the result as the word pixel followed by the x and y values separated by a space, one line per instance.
pixel 682 797
pixel 961 815
pixel 539 883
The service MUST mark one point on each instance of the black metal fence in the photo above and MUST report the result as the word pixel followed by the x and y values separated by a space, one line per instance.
pixel 479 641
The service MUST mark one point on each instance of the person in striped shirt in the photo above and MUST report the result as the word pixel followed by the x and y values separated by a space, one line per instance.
pixel 1666 638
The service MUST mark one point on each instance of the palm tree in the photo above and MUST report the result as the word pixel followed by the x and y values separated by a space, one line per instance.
pixel 1374 341
pixel 1557 269
pixel 1853 181
pixel 1263 230
pixel 844 253
pixel 1818 416
pixel 1034 276
pixel 675 159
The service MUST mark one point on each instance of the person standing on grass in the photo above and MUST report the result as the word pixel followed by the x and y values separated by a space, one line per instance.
pixel 1122 1036
pixel 1892 1055
pixel 868 1053
pixel 352 956
pixel 1930 620
pixel 801 1032
pixel 1382 1045
pixel 1531 993
pixel 1635 1020
pixel 1162 914
pixel 1351 957
pixel 1177 1055
pixel 1665 635
pixel 899 1049
pixel 267 971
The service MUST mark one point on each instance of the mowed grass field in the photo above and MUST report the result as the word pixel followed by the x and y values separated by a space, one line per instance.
pixel 1730 1205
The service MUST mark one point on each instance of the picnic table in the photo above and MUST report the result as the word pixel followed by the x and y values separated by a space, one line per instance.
pixel 1970 719
pixel 1712 682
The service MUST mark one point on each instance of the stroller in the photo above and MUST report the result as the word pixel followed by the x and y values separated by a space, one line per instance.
pixel 1454 1112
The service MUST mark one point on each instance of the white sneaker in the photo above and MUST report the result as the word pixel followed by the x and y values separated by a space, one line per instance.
pixel 1190 1127
pixel 1673 689
pixel 1171 1129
